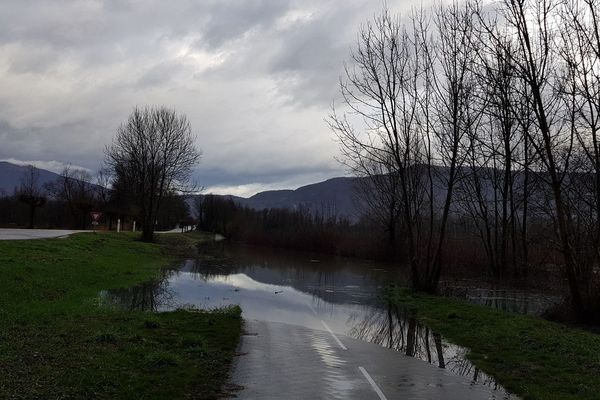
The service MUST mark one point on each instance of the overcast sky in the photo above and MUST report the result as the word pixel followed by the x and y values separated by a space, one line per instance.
pixel 255 77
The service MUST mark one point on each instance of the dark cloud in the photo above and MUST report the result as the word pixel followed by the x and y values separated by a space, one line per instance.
pixel 312 55
pixel 255 77
pixel 66 143
pixel 229 20
pixel 218 176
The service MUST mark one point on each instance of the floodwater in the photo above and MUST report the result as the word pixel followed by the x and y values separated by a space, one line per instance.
pixel 293 288
pixel 503 298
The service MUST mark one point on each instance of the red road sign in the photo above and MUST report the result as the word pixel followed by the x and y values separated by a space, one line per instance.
pixel 95 215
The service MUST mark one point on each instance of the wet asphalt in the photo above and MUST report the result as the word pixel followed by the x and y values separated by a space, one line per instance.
pixel 285 361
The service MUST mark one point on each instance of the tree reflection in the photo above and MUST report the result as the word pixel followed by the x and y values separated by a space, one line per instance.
pixel 334 279
pixel 502 298
pixel 393 327
pixel 150 296
pixel 208 269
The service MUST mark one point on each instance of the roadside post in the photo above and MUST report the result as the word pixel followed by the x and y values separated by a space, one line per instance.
pixel 118 225
pixel 134 226
pixel 95 218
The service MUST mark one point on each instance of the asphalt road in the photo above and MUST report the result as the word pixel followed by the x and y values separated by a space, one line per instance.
pixel 27 234
pixel 283 361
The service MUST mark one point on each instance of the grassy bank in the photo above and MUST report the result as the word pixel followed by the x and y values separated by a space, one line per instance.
pixel 56 342
pixel 531 357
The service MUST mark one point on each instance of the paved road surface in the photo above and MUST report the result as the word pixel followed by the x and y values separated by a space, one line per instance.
pixel 282 361
pixel 26 234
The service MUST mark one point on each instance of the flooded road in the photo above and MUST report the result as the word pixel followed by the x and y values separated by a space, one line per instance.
pixel 341 297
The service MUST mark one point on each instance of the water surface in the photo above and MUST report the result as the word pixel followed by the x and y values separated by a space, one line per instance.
pixel 301 289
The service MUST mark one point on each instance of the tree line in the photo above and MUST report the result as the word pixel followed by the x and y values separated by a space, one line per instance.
pixel 299 229
pixel 66 203
pixel 147 170
pixel 485 113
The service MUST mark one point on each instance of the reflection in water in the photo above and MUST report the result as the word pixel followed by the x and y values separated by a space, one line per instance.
pixel 294 289
pixel 392 327
pixel 502 298
pixel 150 296
pixel 509 300
pixel 333 279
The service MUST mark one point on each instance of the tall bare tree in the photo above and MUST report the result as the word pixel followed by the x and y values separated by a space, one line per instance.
pixel 535 29
pixel 415 121
pixel 455 113
pixel 380 86
pixel 580 54
pixel 495 192
pixel 498 107
pixel 152 155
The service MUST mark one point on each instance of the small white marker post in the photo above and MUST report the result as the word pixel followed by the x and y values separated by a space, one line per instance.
pixel 134 226
pixel 118 225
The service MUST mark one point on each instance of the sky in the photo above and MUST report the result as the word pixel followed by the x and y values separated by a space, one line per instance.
pixel 256 78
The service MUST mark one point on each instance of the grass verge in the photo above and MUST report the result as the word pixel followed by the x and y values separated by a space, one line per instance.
pixel 56 342
pixel 529 356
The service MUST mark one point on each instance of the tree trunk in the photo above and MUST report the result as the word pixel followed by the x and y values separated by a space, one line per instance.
pixel 437 338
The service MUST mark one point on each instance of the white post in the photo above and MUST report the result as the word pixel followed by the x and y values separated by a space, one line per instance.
pixel 119 225
pixel 134 226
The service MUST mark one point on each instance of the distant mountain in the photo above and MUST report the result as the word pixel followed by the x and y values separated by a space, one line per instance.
pixel 334 196
pixel 11 175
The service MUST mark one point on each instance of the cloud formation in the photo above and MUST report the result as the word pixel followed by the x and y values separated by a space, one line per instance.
pixel 255 77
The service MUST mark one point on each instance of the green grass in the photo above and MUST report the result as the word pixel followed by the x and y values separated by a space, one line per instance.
pixel 532 357
pixel 56 342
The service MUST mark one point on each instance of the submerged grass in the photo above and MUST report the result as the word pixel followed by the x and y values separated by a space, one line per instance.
pixel 57 342
pixel 531 357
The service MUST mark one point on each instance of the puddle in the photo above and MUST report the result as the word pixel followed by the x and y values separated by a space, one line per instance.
pixel 294 290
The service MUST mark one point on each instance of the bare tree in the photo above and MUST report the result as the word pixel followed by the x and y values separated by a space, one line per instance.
pixel 102 183
pixel 495 190
pixel 104 195
pixel 580 54
pixel 31 193
pixel 455 114
pixel 499 108
pixel 381 87
pixel 534 27
pixel 152 155
pixel 416 120
pixel 75 188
